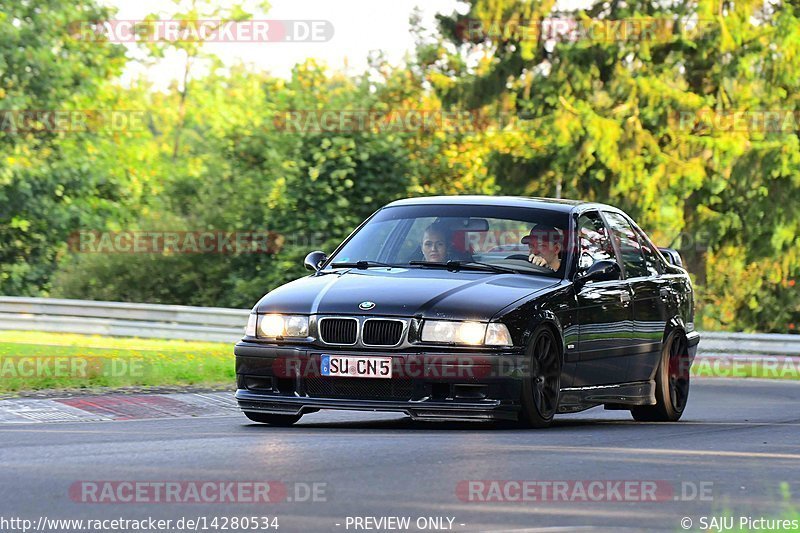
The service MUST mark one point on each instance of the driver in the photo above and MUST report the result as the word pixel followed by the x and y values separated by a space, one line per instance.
pixel 434 244
pixel 544 246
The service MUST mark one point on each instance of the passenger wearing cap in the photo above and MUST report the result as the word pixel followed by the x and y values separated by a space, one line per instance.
pixel 544 246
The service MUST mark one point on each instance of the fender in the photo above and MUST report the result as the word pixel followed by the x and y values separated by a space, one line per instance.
pixel 549 318
pixel 676 322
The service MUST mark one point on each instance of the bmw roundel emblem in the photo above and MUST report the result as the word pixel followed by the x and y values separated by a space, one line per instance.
pixel 366 306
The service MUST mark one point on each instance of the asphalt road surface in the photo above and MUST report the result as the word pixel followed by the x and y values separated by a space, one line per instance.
pixel 738 442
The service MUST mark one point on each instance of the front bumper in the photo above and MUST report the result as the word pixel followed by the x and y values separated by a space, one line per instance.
pixel 425 385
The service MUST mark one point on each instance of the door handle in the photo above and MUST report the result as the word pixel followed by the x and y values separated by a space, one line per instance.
pixel 624 297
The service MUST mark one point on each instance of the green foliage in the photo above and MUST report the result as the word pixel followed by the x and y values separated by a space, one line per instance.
pixel 622 120
pixel 51 183
pixel 237 172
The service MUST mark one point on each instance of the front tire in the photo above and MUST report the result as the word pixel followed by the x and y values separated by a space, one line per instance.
pixel 672 383
pixel 272 419
pixel 542 387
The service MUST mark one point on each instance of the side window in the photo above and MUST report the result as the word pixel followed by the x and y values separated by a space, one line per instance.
pixel 625 237
pixel 654 265
pixel 594 243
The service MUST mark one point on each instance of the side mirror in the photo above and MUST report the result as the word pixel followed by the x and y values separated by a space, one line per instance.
pixel 672 256
pixel 314 260
pixel 600 271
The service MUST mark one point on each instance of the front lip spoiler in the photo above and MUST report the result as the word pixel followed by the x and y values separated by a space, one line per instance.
pixel 422 410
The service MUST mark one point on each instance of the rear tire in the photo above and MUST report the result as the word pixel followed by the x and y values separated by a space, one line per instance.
pixel 542 387
pixel 272 419
pixel 672 383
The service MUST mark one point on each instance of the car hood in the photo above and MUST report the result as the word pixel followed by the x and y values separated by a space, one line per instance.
pixel 466 295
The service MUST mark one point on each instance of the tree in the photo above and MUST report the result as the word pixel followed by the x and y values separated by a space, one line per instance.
pixel 623 118
pixel 47 185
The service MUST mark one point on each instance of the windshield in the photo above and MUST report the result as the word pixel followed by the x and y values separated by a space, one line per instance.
pixel 466 237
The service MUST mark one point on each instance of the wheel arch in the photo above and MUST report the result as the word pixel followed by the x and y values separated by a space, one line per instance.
pixel 548 319
pixel 674 324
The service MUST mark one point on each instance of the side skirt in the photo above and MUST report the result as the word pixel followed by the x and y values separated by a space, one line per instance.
pixel 620 396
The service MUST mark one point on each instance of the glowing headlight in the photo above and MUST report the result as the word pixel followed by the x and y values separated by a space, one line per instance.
pixel 282 326
pixel 465 333
pixel 458 332
pixel 471 332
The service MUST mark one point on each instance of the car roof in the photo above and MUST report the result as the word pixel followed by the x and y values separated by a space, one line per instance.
pixel 553 204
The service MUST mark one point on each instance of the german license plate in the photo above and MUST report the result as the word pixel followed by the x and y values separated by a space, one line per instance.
pixel 356 367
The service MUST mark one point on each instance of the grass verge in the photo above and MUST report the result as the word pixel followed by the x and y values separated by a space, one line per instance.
pixel 31 360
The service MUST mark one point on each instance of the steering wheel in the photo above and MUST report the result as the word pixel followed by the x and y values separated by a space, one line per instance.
pixel 521 257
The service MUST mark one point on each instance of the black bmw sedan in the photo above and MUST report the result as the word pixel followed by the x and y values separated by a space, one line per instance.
pixel 474 307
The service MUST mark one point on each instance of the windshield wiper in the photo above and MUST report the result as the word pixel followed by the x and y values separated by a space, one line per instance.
pixel 472 265
pixel 363 265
